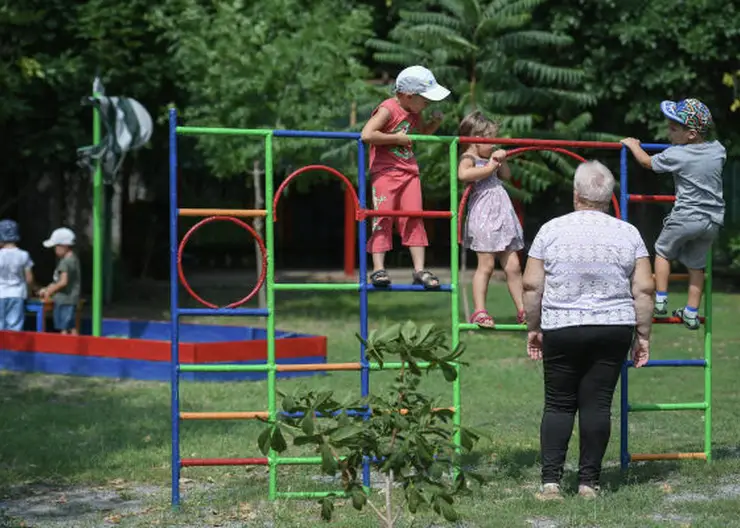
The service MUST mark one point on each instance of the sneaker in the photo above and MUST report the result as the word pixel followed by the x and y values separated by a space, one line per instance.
pixel 661 307
pixel 549 492
pixel 692 323
pixel 588 492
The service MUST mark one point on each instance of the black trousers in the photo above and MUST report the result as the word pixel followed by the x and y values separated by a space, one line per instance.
pixel 582 366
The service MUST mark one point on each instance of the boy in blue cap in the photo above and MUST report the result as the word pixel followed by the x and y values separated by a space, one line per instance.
pixel 16 276
pixel 695 220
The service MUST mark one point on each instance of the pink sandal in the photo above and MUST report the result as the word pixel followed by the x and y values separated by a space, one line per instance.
pixel 483 319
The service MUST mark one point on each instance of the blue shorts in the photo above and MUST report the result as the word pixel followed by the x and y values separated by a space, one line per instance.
pixel 64 316
pixel 12 313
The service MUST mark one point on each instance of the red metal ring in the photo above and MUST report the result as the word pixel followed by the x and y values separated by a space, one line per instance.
pixel 240 223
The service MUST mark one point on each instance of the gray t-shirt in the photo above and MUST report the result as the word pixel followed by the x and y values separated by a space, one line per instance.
pixel 589 258
pixel 13 265
pixel 697 174
pixel 70 294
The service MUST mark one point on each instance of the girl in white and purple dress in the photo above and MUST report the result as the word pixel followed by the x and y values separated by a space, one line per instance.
pixel 492 229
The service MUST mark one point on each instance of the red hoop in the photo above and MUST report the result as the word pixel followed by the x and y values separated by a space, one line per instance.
pixel 240 223
pixel 521 150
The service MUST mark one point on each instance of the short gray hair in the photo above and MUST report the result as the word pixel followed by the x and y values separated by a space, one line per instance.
pixel 594 182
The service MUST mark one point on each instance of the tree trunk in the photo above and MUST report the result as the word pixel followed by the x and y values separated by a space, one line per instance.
pixel 258 224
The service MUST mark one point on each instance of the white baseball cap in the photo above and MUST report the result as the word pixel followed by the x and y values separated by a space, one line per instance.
pixel 419 80
pixel 61 237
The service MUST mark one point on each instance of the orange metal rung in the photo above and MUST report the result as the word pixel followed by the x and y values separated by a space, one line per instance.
pixel 318 367
pixel 667 456
pixel 254 415
pixel 238 213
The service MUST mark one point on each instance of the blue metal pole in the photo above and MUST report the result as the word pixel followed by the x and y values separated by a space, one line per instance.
pixel 362 250
pixel 624 378
pixel 174 316
pixel 623 194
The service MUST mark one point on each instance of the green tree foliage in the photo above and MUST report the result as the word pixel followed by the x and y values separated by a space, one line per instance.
pixel 638 53
pixel 491 56
pixel 283 64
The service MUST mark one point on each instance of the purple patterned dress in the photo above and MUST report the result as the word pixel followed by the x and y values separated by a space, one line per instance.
pixel 492 225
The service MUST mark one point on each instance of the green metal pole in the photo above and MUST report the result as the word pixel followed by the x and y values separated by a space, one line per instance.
pixel 708 357
pixel 97 285
pixel 270 296
pixel 455 297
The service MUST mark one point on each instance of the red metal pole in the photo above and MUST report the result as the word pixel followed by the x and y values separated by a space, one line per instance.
pixel 350 235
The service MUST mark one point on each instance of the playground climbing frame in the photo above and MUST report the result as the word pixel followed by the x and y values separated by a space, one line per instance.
pixel 363 366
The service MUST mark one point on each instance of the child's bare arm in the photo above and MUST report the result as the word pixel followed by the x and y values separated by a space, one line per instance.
pixel 372 135
pixel 642 157
pixel 30 280
pixel 468 172
pixel 54 287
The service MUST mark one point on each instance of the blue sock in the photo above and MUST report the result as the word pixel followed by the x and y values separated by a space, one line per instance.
pixel 661 296
pixel 690 312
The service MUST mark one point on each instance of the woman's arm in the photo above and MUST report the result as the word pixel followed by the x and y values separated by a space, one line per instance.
pixel 643 290
pixel 534 287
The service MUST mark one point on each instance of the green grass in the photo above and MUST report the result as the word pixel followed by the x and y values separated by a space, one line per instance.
pixel 69 433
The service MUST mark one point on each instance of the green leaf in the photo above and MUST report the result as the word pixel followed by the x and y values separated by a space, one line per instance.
pixel 263 441
pixel 408 332
pixel 359 499
pixel 328 463
pixel 424 332
pixel 327 508
pixel 343 420
pixel 307 423
pixel 288 404
pixel 389 334
pixel 278 440
pixel 447 511
pixel 413 498
pixel 344 433
pixel 448 371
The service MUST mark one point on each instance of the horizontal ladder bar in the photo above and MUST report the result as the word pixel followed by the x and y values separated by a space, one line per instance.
pixel 228 367
pixel 556 143
pixel 651 198
pixel 263 415
pixel 220 131
pixel 231 312
pixel 316 286
pixel 347 286
pixel 237 213
pixel 193 462
pixel 371 213
pixel 671 320
pixel 499 327
pixel 409 288
pixel 643 457
pixel 643 407
pixel 672 363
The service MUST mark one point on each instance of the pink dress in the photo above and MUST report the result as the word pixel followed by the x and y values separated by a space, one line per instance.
pixel 492 225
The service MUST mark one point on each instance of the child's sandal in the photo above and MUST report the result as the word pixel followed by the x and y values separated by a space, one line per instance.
pixel 483 319
pixel 426 278
pixel 380 279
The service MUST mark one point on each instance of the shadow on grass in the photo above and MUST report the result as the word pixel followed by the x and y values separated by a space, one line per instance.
pixel 60 429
